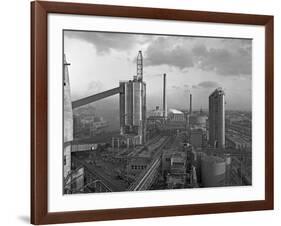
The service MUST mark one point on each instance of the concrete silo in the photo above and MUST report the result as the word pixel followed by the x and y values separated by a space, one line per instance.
pixel 213 170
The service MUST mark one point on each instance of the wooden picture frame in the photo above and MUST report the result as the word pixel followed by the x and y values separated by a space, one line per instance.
pixel 39 109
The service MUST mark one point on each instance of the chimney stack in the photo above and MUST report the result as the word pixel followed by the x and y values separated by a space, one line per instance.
pixel 190 104
pixel 164 97
pixel 139 66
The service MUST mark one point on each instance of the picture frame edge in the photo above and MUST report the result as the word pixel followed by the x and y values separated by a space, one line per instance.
pixel 39 123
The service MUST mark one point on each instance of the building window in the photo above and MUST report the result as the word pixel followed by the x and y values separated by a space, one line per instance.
pixel 64 160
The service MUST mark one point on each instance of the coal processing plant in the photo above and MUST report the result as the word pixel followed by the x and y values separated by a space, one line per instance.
pixel 154 149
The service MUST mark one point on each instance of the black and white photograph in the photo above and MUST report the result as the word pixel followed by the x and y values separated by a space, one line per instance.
pixel 155 112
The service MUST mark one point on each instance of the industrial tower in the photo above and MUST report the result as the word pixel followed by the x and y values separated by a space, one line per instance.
pixel 165 107
pixel 139 67
pixel 133 107
pixel 217 119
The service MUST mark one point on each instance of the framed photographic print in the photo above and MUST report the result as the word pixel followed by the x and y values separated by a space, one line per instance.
pixel 147 112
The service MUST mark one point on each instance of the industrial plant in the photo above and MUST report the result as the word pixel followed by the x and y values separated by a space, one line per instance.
pixel 154 149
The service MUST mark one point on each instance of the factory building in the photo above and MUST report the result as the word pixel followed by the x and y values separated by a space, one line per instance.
pixel 175 120
pixel 237 142
pixel 217 119
pixel 176 181
pixel 176 115
pixel 133 107
pixel 180 167
pixel 174 166
pixel 138 164
pixel 176 178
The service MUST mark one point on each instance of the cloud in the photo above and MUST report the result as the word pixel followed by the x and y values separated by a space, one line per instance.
pixel 224 61
pixel 166 51
pixel 228 57
pixel 208 84
pixel 104 42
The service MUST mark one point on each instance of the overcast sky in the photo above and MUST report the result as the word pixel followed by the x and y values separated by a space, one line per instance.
pixel 193 64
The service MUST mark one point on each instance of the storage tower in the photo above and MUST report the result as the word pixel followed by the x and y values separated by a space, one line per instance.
pixel 133 107
pixel 217 119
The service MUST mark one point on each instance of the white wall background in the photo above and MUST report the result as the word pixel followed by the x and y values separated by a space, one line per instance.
pixel 15 113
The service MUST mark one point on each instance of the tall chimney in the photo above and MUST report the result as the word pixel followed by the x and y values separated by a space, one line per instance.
pixel 164 97
pixel 139 66
pixel 190 104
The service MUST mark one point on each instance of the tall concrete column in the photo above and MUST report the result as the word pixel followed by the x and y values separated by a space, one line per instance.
pixel 190 104
pixel 165 113
pixel 68 122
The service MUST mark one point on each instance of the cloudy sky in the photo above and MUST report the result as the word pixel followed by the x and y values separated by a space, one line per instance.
pixel 194 65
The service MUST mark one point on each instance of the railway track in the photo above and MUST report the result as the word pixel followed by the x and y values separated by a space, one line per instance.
pixel 147 177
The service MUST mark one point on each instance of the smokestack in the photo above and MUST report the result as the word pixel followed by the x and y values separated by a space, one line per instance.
pixel 139 66
pixel 164 97
pixel 190 104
